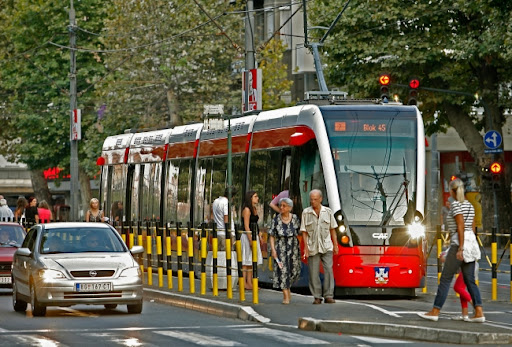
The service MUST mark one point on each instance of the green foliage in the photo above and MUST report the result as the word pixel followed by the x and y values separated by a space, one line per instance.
pixel 274 71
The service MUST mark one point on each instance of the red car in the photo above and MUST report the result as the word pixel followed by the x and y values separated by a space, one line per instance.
pixel 11 237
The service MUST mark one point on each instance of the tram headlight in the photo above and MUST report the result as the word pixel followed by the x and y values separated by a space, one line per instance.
pixel 416 230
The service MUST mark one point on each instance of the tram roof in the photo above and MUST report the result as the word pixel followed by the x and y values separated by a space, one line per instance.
pixel 120 141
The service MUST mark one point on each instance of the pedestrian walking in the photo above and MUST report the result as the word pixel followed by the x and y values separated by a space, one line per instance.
pixel 19 212
pixel 31 213
pixel 94 214
pixel 249 217
pixel 220 209
pixel 317 227
pixel 45 214
pixel 6 215
pixel 462 254
pixel 285 248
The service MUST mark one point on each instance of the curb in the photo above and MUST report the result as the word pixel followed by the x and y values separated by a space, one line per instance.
pixel 403 332
pixel 219 308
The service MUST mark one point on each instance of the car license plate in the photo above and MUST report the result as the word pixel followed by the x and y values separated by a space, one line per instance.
pixel 94 287
pixel 5 280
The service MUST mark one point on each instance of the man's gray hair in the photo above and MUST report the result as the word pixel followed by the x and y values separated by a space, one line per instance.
pixel 316 191
pixel 287 201
pixel 3 202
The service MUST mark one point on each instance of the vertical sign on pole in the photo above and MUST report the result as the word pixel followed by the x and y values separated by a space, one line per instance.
pixel 254 93
pixel 76 125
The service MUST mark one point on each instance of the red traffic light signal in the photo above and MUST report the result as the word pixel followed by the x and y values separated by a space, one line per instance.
pixel 496 168
pixel 414 83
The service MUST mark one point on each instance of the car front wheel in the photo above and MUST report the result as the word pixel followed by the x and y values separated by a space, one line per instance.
pixel 18 304
pixel 135 308
pixel 37 308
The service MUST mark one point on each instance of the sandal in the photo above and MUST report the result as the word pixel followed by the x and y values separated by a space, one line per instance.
pixel 286 302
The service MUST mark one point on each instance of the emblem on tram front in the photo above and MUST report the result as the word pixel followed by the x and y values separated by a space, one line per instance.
pixel 381 275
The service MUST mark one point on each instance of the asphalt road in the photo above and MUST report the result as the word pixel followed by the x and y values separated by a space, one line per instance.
pixel 158 325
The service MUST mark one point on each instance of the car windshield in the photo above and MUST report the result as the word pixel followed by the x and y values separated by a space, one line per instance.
pixel 79 240
pixel 11 235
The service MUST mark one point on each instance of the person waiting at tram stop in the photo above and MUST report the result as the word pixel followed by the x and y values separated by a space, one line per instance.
pixel 220 209
pixel 462 254
pixel 45 214
pixel 6 215
pixel 249 218
pixel 31 212
pixel 19 212
pixel 318 230
pixel 285 248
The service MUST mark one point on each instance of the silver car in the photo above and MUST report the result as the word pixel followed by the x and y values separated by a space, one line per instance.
pixel 64 264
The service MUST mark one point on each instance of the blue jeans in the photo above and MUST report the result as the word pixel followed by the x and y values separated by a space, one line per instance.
pixel 451 267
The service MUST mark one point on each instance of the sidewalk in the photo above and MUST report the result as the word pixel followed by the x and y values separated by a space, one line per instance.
pixel 391 318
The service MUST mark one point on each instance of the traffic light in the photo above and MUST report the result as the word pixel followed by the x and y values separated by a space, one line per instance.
pixel 414 84
pixel 384 81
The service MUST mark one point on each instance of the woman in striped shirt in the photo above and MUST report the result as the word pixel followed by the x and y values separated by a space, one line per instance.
pixel 460 219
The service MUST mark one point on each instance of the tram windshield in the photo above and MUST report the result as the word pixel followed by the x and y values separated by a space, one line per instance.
pixel 375 155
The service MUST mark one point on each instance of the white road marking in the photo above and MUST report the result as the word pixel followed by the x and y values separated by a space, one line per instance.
pixel 379 340
pixel 389 313
pixel 199 339
pixel 78 312
pixel 119 339
pixel 31 340
pixel 284 336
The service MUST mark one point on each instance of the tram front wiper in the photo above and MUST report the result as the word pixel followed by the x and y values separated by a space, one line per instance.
pixel 405 185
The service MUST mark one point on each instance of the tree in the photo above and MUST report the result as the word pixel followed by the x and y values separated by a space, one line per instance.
pixel 459 45
pixel 34 68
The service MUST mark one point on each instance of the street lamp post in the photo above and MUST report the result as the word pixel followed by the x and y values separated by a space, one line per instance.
pixel 73 161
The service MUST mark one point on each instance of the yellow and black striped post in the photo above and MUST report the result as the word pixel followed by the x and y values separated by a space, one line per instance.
pixel 179 252
pixel 122 233
pixel 215 245
pixel 494 261
pixel 140 243
pixel 510 256
pixel 241 283
pixel 254 232
pixel 160 256
pixel 131 239
pixel 168 252
pixel 203 258
pixel 191 277
pixel 439 240
pixel 149 252
pixel 229 282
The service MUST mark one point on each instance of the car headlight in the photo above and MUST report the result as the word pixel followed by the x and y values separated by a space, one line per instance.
pixel 131 272
pixel 49 275
pixel 416 230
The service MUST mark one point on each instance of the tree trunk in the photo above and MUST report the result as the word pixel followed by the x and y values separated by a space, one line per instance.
pixel 85 189
pixel 40 186
pixel 172 104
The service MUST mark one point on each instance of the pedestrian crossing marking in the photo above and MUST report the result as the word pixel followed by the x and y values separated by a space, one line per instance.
pixel 199 339
pixel 284 336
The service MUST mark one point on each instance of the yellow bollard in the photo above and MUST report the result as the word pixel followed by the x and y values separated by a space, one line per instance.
pixel 215 248
pixel 229 286
pixel 439 265
pixel 203 259
pixel 191 276
pixel 179 253
pixel 494 261
pixel 241 284
pixel 160 265
pixel 254 232
pixel 148 252
pixel 168 253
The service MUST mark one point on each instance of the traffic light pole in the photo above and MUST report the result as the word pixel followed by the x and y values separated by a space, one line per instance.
pixel 73 160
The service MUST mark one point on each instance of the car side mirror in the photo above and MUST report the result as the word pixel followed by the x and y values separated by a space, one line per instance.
pixel 24 252
pixel 137 250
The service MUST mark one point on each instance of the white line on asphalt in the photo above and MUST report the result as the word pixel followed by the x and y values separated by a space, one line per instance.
pixel 199 339
pixel 285 336
pixel 379 340
pixel 500 325
pixel 389 313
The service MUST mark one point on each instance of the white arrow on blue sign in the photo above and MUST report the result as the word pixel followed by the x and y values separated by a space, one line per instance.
pixel 492 139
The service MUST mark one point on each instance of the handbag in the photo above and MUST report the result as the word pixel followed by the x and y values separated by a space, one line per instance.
pixel 471 249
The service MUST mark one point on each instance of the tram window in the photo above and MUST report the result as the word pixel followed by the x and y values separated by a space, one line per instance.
pixel 135 194
pixel 171 201
pixel 118 185
pixel 183 208
pixel 265 179
pixel 150 200
pixel 106 179
pixel 311 173
pixel 203 191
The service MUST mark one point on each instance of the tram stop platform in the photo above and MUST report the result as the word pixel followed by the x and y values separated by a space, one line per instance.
pixel 385 317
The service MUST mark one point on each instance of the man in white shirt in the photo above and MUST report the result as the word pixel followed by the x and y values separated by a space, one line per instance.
pixel 220 208
pixel 6 214
pixel 318 230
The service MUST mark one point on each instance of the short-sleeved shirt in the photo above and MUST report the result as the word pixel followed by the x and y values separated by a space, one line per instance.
pixel 467 211
pixel 219 210
pixel 318 229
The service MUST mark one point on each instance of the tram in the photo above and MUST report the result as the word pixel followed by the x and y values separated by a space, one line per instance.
pixel 368 159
